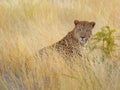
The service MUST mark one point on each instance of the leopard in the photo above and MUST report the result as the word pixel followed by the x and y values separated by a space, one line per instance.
pixel 71 44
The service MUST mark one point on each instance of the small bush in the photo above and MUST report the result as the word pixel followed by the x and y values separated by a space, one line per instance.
pixel 105 40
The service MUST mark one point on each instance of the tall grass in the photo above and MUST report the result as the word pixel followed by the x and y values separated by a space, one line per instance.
pixel 28 25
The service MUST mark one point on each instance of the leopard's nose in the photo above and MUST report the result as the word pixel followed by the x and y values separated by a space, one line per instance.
pixel 82 37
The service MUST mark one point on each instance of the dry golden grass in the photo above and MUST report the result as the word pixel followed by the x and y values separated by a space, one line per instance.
pixel 28 25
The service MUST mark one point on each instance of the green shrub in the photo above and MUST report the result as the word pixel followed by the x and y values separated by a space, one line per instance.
pixel 105 40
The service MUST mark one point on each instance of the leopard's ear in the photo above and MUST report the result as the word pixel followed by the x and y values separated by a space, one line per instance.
pixel 76 22
pixel 92 24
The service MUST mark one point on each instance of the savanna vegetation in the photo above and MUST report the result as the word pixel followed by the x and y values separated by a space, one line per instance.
pixel 26 26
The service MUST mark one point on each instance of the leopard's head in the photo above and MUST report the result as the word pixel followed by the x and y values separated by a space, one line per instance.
pixel 83 31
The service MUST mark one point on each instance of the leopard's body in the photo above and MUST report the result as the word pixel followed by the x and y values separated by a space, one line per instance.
pixel 70 45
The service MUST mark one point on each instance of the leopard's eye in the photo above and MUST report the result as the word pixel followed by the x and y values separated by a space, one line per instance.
pixel 79 29
pixel 87 30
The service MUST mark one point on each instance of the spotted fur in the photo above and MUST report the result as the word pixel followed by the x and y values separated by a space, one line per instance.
pixel 70 45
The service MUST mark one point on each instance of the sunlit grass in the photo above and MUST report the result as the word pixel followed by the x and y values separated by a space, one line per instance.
pixel 28 25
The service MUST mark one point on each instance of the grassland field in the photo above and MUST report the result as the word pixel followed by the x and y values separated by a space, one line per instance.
pixel 26 26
